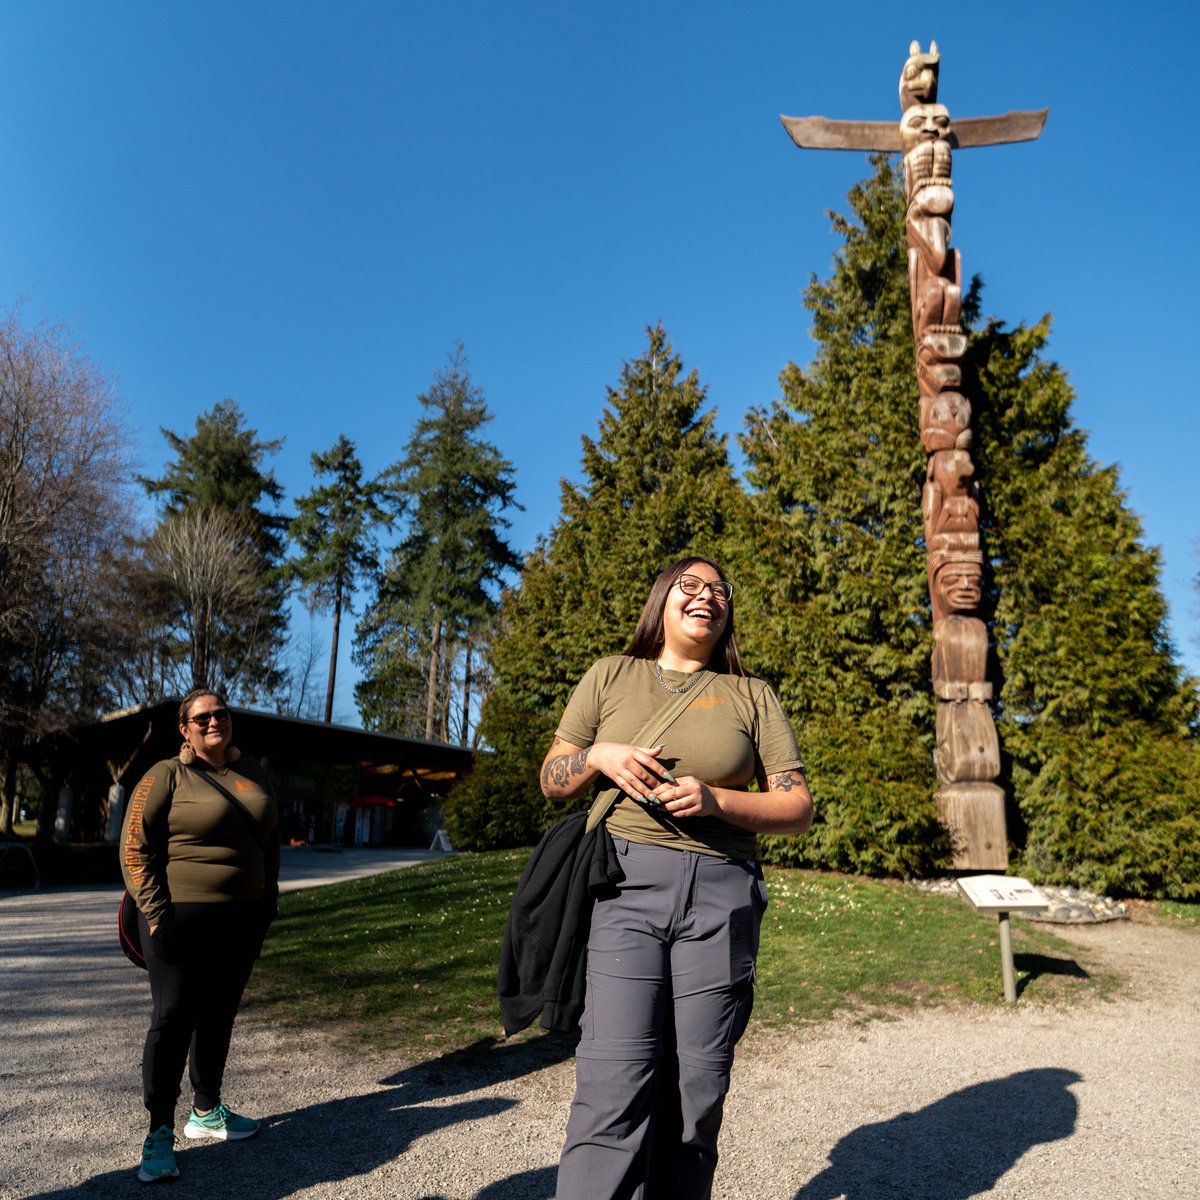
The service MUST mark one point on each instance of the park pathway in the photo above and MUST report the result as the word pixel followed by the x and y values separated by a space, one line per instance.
pixel 1095 1102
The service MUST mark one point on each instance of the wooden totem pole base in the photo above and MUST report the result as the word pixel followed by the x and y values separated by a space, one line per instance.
pixel 973 814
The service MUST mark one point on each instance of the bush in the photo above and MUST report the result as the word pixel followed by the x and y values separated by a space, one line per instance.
pixel 1118 813
pixel 496 807
pixel 874 799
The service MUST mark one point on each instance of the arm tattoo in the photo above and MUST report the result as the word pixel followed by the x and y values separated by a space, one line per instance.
pixel 559 770
pixel 785 781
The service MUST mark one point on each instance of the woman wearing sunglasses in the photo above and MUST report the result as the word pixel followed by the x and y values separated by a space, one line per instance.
pixel 200 855
pixel 671 954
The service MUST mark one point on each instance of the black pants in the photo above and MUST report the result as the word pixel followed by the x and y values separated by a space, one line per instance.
pixel 199 961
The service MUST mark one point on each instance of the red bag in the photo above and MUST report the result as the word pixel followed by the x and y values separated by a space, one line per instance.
pixel 128 932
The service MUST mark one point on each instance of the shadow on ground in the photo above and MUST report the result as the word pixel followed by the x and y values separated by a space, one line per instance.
pixel 1029 967
pixel 958 1147
pixel 341 1139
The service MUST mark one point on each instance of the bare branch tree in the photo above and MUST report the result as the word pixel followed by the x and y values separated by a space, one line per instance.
pixel 64 517
pixel 208 560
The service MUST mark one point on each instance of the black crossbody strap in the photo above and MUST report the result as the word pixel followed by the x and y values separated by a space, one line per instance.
pixel 255 827
pixel 650 734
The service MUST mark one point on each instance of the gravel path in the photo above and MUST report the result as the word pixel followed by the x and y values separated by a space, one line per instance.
pixel 1099 1101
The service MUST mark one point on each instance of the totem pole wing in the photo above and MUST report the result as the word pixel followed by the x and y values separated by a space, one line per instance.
pixel 820 133
pixel 995 131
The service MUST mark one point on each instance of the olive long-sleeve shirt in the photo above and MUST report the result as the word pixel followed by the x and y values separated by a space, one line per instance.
pixel 184 842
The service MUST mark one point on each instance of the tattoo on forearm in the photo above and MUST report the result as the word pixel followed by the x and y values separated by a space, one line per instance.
pixel 560 770
pixel 785 782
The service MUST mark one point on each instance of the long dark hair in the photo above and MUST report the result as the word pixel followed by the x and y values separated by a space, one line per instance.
pixel 648 636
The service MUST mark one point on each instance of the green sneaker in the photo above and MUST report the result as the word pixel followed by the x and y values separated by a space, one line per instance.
pixel 158 1156
pixel 220 1123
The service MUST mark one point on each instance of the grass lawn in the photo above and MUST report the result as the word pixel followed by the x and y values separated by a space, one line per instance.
pixel 408 960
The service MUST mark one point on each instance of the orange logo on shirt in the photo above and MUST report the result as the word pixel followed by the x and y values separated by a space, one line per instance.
pixel 243 786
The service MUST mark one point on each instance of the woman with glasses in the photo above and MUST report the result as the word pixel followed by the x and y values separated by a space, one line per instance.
pixel 671 954
pixel 200 856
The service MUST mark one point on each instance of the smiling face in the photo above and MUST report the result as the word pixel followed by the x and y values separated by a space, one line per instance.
pixel 692 625
pixel 209 739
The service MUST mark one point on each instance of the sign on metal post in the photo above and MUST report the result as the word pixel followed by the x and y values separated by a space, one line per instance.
pixel 1003 894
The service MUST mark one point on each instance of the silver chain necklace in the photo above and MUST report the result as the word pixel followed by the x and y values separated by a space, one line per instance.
pixel 662 683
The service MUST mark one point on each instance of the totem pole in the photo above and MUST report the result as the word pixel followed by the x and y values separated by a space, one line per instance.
pixel 968 751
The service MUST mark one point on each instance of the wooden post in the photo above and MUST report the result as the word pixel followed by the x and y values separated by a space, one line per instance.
pixel 1006 959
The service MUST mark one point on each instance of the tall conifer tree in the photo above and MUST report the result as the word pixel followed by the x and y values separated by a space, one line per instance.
pixel 842 623
pixel 1095 720
pixel 437 595
pixel 221 469
pixel 334 528
pixel 656 484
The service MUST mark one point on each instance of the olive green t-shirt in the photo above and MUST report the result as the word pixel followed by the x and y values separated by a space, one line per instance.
pixel 183 842
pixel 734 731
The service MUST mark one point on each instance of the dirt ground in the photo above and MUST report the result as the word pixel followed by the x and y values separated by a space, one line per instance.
pixel 1096 1100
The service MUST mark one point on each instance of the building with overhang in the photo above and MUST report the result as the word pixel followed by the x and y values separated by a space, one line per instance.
pixel 336 785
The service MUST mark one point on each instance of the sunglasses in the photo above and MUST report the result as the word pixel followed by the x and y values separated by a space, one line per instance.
pixel 693 585
pixel 202 719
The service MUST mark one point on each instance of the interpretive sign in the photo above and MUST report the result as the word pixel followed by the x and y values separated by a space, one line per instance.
pixel 1002 893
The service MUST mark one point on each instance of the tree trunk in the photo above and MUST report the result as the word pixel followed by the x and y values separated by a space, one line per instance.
pixel 333 652
pixel 432 681
pixel 448 652
pixel 466 718
pixel 8 798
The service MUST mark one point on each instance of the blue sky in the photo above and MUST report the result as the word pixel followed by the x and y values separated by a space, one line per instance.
pixel 303 206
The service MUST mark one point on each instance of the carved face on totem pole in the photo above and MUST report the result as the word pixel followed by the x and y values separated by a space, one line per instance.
pixel 925 134
pixel 919 78
pixel 945 422
pixel 957 578
pixel 924 123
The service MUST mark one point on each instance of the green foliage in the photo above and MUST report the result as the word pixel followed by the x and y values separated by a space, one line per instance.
pixel 837 611
pixel 1093 713
pixel 221 466
pixel 656 485
pixel 435 601
pixel 218 480
pixel 1097 726
pixel 334 529
pixel 1115 812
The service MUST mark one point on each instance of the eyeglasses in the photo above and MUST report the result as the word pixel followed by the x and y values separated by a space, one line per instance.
pixel 693 585
pixel 202 719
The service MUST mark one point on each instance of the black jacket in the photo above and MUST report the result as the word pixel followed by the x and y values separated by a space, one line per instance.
pixel 543 961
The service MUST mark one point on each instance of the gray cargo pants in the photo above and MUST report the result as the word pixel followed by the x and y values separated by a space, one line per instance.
pixel 670 982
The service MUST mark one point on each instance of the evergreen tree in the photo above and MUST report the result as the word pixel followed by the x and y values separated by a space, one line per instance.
pixel 840 617
pixel 1094 715
pixel 1094 718
pixel 334 529
pixel 437 594
pixel 220 469
pixel 657 484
